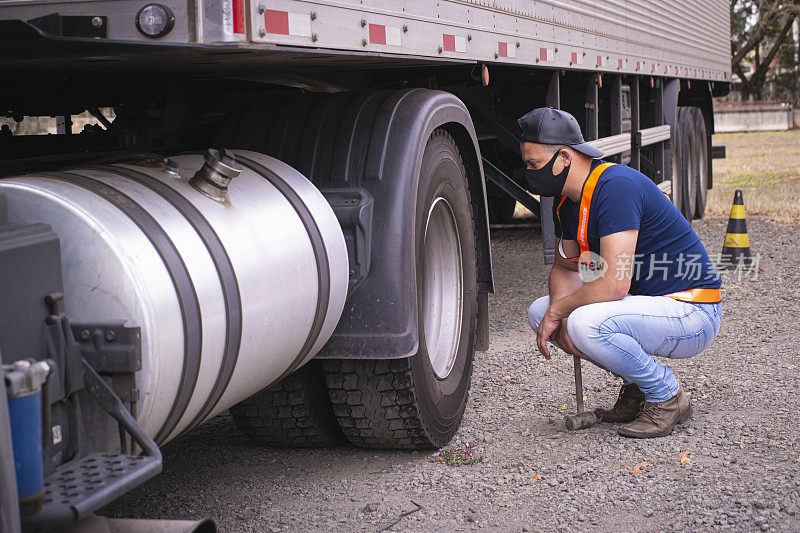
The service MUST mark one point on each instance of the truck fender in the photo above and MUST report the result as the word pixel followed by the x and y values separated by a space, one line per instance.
pixel 380 317
pixel 374 140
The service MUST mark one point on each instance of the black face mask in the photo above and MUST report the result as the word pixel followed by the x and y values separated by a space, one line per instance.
pixel 543 182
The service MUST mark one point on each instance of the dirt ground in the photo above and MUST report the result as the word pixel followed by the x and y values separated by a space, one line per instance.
pixel 735 466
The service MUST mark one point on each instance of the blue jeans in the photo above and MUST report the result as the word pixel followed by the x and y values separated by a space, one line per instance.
pixel 623 336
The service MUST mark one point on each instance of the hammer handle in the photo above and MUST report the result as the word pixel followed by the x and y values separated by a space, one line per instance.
pixel 578 383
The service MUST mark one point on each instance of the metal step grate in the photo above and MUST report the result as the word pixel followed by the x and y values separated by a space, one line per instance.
pixel 80 487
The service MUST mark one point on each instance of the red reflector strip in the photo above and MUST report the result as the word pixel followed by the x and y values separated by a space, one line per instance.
pixel 577 59
pixel 377 34
pixel 284 23
pixel 238 16
pixel 601 61
pixel 277 22
pixel 506 49
pixel 454 43
pixel 388 35
pixel 546 54
pixel 620 63
pixel 449 43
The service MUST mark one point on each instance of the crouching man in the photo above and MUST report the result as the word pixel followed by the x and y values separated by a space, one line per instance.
pixel 631 279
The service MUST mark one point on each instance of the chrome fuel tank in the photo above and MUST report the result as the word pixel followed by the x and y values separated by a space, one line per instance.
pixel 230 292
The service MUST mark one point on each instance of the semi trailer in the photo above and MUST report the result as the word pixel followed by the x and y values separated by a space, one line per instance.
pixel 286 216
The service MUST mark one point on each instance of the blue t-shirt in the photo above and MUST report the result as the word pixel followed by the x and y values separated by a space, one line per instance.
pixel 669 255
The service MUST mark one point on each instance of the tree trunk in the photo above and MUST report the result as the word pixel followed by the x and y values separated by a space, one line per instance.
pixel 753 77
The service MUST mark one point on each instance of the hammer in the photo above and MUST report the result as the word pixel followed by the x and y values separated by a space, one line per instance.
pixel 581 420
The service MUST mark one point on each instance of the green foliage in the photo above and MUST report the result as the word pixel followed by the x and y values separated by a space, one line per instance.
pixel 762 47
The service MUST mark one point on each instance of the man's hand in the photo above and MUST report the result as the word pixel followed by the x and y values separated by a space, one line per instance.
pixel 554 329
pixel 563 340
pixel 547 328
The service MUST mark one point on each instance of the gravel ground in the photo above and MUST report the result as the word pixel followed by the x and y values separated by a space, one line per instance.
pixel 735 466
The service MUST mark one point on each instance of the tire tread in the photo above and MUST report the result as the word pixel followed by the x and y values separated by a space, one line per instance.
pixel 375 400
pixel 293 412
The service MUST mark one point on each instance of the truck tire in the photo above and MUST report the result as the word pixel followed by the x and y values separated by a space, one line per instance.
pixel 690 165
pixel 418 402
pixel 293 412
pixel 501 209
pixel 703 167
pixel 678 165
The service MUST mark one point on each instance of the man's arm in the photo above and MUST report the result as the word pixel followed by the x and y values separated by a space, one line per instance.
pixel 617 249
pixel 564 279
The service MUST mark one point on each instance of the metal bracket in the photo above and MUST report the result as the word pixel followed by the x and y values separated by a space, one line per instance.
pixel 636 135
pixel 110 347
pixel 353 210
pixel 72 26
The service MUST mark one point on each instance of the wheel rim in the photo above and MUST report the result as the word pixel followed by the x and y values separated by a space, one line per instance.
pixel 703 181
pixel 691 179
pixel 676 192
pixel 442 286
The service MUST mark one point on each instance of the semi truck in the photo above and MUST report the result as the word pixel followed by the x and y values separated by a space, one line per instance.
pixel 286 216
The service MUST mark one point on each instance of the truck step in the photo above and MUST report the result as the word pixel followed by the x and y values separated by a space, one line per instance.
pixel 80 487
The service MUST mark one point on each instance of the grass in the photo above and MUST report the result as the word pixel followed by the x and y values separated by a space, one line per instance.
pixel 766 166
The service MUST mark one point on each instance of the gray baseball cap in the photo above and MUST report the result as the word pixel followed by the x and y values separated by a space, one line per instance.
pixel 546 125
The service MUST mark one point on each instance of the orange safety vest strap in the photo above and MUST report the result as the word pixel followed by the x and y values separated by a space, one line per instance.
pixel 586 203
pixel 698 296
pixel 583 213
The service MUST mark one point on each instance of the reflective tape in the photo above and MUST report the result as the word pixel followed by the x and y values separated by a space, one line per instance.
pixel 698 296
pixel 388 35
pixel 506 49
pixel 737 211
pixel 284 23
pixel 454 43
pixel 736 240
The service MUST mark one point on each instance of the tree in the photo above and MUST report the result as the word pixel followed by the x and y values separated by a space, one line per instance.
pixel 759 26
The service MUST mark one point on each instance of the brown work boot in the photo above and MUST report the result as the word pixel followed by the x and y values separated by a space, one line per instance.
pixel 629 403
pixel 657 419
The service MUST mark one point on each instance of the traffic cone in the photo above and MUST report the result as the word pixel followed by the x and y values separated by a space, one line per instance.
pixel 736 248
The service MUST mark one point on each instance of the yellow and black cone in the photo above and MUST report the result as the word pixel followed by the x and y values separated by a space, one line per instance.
pixel 736 248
